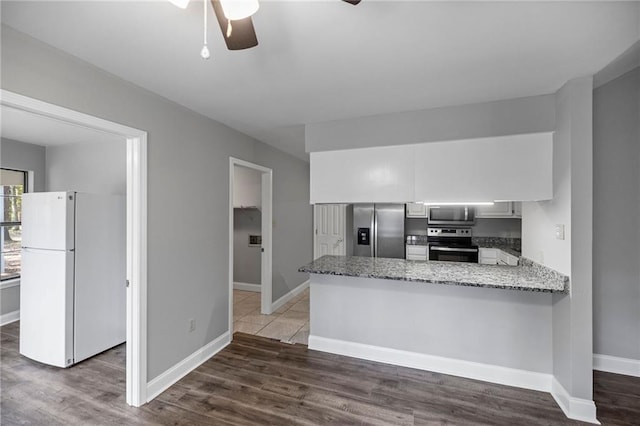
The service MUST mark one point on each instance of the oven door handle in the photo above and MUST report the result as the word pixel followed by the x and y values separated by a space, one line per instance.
pixel 463 250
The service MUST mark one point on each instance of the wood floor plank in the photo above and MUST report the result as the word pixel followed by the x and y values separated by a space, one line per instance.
pixel 310 393
pixel 288 407
pixel 259 381
pixel 161 413
pixel 12 329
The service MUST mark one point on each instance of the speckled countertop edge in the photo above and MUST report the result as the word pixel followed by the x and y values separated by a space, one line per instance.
pixel 530 276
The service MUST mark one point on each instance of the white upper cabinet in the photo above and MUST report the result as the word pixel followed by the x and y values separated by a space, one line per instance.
pixel 517 209
pixel 500 209
pixel 383 174
pixel 416 210
pixel 517 167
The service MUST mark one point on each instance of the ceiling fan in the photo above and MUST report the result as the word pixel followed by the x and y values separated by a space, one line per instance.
pixel 234 18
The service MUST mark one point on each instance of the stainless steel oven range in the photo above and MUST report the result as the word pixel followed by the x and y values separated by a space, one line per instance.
pixel 451 244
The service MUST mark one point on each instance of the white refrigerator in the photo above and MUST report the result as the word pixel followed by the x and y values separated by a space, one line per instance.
pixel 73 280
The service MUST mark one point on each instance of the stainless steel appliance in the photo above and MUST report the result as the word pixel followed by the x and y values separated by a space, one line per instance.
pixel 451 215
pixel 451 244
pixel 379 230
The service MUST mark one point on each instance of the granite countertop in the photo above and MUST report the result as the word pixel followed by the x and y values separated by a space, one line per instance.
pixel 529 276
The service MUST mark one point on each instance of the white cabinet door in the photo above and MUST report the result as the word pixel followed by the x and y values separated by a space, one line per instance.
pixel 367 175
pixel 507 259
pixel 416 252
pixel 330 232
pixel 517 208
pixel 416 210
pixel 515 167
pixel 487 256
pixel 501 209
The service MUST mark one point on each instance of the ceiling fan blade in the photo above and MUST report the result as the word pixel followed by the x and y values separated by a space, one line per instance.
pixel 243 35
pixel 353 2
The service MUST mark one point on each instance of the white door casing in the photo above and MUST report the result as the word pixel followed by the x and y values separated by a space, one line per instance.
pixel 330 229
pixel 136 359
pixel 266 302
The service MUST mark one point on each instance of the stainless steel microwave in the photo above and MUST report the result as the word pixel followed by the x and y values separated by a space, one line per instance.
pixel 452 215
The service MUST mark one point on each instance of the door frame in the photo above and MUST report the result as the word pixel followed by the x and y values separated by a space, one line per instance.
pixel 136 140
pixel 266 281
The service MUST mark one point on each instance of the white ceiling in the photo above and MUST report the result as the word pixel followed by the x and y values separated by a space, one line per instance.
pixel 37 129
pixel 328 60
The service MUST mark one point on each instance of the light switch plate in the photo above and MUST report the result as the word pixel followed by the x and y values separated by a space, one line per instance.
pixel 559 230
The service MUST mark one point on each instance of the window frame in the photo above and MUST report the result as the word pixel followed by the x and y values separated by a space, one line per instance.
pixel 25 189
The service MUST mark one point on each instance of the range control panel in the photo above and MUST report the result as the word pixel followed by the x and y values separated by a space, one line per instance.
pixel 449 232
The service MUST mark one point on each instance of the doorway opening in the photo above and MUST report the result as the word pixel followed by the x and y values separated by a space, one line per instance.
pixel 250 236
pixel 136 217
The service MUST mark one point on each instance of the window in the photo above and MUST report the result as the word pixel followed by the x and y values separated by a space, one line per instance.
pixel 13 184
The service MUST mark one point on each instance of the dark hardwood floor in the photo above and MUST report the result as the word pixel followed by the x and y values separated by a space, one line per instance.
pixel 260 381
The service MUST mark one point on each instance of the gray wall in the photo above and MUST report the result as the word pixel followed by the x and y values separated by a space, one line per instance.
pixel 497 118
pixel 20 156
pixel 415 226
pixel 505 228
pixel 246 259
pixel 99 168
pixel 292 218
pixel 25 156
pixel 188 178
pixel 436 319
pixel 616 217
pixel 571 205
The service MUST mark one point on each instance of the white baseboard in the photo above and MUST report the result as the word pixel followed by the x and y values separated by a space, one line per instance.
pixel 161 383
pixel 614 364
pixel 574 408
pixel 471 370
pixel 247 287
pixel 9 317
pixel 293 293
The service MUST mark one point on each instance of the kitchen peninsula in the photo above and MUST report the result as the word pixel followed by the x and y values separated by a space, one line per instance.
pixel 486 322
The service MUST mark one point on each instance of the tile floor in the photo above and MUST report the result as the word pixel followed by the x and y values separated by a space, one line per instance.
pixel 289 324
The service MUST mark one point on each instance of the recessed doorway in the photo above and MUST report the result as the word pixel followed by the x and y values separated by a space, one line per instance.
pixel 250 245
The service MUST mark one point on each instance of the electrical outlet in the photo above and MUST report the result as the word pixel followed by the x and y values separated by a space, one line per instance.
pixel 192 325
pixel 559 232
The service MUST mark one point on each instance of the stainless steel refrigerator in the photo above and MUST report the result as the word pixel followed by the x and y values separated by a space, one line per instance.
pixel 378 230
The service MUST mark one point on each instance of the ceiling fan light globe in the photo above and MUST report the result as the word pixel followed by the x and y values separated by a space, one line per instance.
pixel 239 9
pixel 204 53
